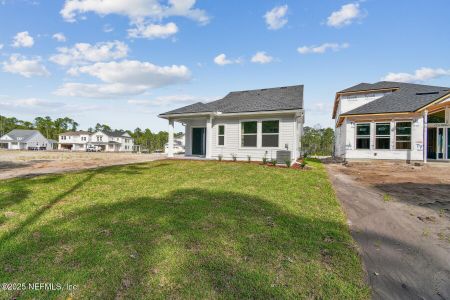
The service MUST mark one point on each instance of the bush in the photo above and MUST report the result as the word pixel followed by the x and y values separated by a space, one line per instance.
pixel 234 156
pixel 288 163
pixel 220 157
pixel 264 160
pixel 273 162
pixel 303 164
pixel 249 158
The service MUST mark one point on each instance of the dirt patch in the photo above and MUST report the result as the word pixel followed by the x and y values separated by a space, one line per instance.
pixel 31 163
pixel 399 216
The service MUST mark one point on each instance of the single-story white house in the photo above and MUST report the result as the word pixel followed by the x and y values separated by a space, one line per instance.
pixel 109 141
pixel 25 139
pixel 392 120
pixel 178 145
pixel 246 125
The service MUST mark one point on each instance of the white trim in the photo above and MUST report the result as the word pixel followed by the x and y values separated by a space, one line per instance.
pixel 220 114
pixel 369 135
pixel 241 134
pixel 218 135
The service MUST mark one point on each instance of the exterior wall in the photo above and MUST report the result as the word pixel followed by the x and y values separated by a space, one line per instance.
pixel 80 142
pixel 38 140
pixel 352 101
pixel 345 146
pixel 288 130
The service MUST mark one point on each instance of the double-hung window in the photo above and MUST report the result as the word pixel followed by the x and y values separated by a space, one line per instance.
pixel 383 136
pixel 249 134
pixel 363 136
pixel 221 135
pixel 270 133
pixel 403 136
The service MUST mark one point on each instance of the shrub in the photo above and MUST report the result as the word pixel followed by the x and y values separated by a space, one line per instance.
pixel 220 157
pixel 249 158
pixel 264 160
pixel 273 162
pixel 234 156
pixel 288 163
pixel 302 164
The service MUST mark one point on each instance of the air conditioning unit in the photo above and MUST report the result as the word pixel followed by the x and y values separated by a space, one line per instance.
pixel 283 156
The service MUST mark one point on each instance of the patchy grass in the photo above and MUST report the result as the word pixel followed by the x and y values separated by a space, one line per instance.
pixel 179 229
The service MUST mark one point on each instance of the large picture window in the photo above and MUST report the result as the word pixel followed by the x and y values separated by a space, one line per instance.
pixel 270 133
pixel 403 136
pixel 362 136
pixel 221 135
pixel 383 136
pixel 249 134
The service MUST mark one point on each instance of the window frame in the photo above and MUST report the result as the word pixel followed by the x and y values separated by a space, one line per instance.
pixel 410 135
pixel 277 134
pixel 241 134
pixel 219 135
pixel 363 136
pixel 382 136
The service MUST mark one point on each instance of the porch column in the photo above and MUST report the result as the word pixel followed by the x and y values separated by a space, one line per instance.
pixel 171 129
pixel 209 137
pixel 425 135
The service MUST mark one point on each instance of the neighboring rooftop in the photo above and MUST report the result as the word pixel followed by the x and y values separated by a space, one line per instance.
pixel 405 97
pixel 74 133
pixel 272 99
pixel 22 134
pixel 116 133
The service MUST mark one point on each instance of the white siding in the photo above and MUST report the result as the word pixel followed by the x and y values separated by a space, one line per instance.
pixel 349 151
pixel 233 137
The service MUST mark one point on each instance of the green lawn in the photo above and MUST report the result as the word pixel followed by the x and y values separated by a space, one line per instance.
pixel 179 229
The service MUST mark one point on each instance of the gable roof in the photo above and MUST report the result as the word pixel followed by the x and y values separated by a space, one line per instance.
pixel 115 133
pixel 75 133
pixel 272 99
pixel 405 97
pixel 22 134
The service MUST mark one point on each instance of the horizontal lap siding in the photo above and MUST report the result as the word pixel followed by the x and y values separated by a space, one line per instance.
pixel 233 139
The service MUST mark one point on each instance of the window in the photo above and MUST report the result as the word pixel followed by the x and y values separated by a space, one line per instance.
pixel 249 133
pixel 221 135
pixel 438 117
pixel 270 133
pixel 383 136
pixel 403 136
pixel 362 136
pixel 83 138
pixel 99 138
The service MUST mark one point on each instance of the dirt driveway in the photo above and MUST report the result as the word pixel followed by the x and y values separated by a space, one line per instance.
pixel 399 215
pixel 31 163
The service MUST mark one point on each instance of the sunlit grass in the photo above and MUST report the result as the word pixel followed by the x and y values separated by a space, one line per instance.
pixel 179 229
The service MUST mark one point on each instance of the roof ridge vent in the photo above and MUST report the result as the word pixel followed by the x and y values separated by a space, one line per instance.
pixel 427 93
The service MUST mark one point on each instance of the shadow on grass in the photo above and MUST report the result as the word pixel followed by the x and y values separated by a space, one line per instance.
pixel 9 165
pixel 191 243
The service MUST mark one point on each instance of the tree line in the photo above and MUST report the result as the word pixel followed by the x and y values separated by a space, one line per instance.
pixel 318 141
pixel 148 140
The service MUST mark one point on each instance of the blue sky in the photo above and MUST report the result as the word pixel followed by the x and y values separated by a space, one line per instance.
pixel 123 62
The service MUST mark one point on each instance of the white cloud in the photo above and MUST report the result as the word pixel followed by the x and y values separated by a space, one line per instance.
pixel 345 16
pixel 322 48
pixel 60 37
pixel 222 60
pixel 276 18
pixel 36 105
pixel 108 28
pixel 129 77
pixel 83 53
pixel 1 46
pixel 23 39
pixel 422 74
pixel 169 100
pixel 26 67
pixel 153 31
pixel 136 10
pixel 261 58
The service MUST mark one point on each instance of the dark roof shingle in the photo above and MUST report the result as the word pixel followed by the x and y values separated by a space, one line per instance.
pixel 281 98
pixel 407 97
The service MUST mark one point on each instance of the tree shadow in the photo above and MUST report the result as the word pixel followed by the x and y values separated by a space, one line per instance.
pixel 434 196
pixel 190 243
pixel 9 165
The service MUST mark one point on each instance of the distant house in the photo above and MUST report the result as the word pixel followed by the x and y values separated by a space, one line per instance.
pixel 178 145
pixel 110 141
pixel 24 139
pixel 393 120
pixel 247 124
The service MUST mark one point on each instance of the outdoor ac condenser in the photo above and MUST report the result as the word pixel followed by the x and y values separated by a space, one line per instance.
pixel 283 156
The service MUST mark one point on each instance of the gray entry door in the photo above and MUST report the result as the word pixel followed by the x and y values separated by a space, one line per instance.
pixel 198 141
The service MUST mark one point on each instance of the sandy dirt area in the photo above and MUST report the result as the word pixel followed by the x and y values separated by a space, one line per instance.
pixel 32 163
pixel 399 214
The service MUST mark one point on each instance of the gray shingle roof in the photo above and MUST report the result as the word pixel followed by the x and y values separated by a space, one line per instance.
pixel 21 134
pixel 281 98
pixel 406 98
